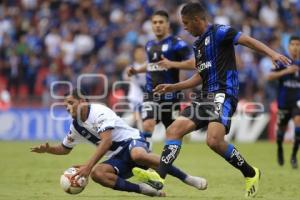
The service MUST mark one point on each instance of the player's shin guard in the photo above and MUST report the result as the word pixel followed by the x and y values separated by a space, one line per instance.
pixel 296 142
pixel 169 154
pixel 123 185
pixel 233 156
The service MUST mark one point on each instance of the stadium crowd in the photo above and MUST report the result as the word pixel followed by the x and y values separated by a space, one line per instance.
pixel 51 40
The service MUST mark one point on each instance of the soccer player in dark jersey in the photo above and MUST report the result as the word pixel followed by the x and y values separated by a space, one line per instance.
pixel 288 99
pixel 215 62
pixel 161 107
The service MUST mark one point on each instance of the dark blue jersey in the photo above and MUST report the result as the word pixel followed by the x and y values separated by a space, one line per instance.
pixel 172 48
pixel 288 87
pixel 215 60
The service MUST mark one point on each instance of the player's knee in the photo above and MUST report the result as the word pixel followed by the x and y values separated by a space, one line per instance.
pixel 137 156
pixel 97 175
pixel 213 142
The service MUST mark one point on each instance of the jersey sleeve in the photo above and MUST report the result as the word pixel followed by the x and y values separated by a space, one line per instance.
pixel 105 121
pixel 183 50
pixel 227 34
pixel 71 139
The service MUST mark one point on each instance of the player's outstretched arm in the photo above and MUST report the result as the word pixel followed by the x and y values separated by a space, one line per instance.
pixel 132 71
pixel 292 69
pixel 46 148
pixel 186 64
pixel 262 48
pixel 190 83
pixel 102 148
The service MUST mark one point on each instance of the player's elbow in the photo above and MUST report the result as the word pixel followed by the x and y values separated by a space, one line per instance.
pixel 270 77
pixel 67 151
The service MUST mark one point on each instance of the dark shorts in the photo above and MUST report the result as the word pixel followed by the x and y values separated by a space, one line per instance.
pixel 165 111
pixel 220 109
pixel 285 114
pixel 122 162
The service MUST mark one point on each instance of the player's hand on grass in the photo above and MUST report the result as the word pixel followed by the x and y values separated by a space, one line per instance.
pixel 43 148
pixel 163 88
pixel 83 171
pixel 164 62
pixel 131 71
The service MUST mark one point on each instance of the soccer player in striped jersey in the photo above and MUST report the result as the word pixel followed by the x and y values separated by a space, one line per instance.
pixel 288 99
pixel 164 48
pixel 215 62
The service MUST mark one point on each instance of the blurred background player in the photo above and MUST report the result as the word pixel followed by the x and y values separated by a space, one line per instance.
pixel 123 145
pixel 137 86
pixel 288 99
pixel 162 108
pixel 216 103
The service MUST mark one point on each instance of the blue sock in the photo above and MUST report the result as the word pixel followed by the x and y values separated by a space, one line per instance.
pixel 174 171
pixel 168 156
pixel 123 185
pixel 233 156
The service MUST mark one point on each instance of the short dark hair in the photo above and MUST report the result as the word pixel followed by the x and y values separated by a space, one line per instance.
pixel 78 93
pixel 162 13
pixel 193 9
pixel 294 37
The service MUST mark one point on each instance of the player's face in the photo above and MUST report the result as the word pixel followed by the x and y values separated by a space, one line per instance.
pixel 294 48
pixel 160 26
pixel 194 25
pixel 71 104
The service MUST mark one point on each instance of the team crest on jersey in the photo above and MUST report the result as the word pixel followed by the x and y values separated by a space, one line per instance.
pixel 207 40
pixel 164 47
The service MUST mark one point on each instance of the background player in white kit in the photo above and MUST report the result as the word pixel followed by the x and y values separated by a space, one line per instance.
pixel 137 86
pixel 123 144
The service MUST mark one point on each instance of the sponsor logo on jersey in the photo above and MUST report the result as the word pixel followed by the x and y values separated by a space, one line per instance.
pixel 155 67
pixel 203 66
pixel 291 84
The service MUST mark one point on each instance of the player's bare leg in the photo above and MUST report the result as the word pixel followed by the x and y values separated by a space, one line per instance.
pixel 215 140
pixel 148 128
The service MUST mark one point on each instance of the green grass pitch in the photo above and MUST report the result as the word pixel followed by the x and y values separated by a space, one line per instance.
pixel 27 176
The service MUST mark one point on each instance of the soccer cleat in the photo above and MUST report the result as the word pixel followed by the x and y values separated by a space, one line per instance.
pixel 197 182
pixel 280 158
pixel 252 184
pixel 294 162
pixel 150 177
pixel 150 191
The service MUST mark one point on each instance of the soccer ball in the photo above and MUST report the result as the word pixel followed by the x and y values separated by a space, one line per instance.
pixel 75 185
